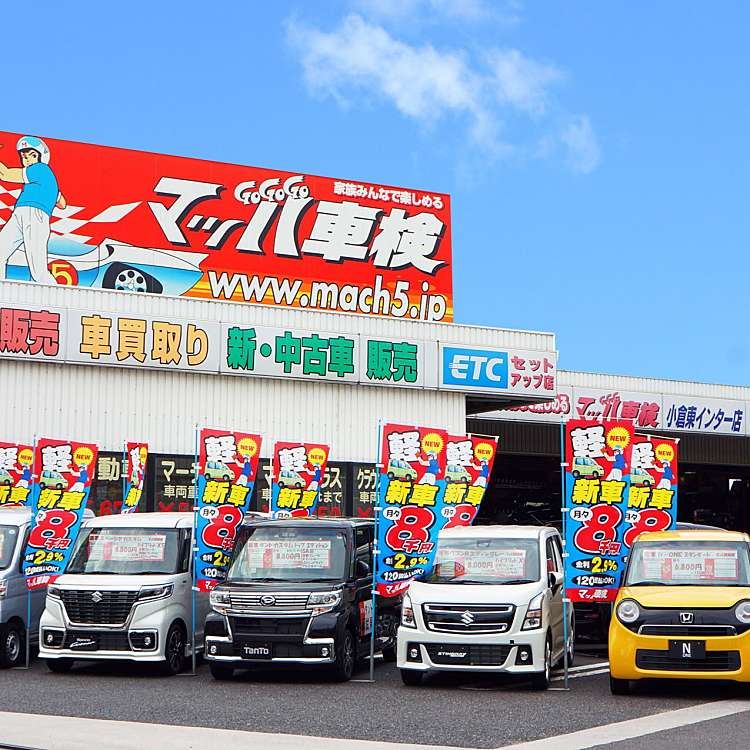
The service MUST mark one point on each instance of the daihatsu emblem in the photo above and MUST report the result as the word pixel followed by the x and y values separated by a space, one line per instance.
pixel 467 618
pixel 268 600
pixel 686 618
pixel 96 597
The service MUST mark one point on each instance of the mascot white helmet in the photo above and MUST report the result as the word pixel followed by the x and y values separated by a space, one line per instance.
pixel 31 141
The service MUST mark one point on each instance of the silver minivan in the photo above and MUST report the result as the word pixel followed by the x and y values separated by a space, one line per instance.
pixel 15 523
pixel 126 594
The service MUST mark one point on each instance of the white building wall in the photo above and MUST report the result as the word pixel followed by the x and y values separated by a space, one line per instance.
pixel 108 405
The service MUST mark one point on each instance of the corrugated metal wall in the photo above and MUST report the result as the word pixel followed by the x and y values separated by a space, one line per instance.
pixel 108 405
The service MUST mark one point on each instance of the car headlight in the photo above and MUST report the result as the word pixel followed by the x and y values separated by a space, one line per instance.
pixel 628 611
pixel 148 593
pixel 220 601
pixel 407 613
pixel 53 591
pixel 323 601
pixel 742 612
pixel 533 617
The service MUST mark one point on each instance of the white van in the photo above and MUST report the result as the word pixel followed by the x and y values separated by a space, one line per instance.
pixel 126 594
pixel 492 603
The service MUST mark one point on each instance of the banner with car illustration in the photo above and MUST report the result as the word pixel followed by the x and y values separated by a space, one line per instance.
pixel 227 468
pixel 469 460
pixel 133 480
pixel 135 221
pixel 597 477
pixel 652 497
pixel 298 470
pixel 16 473
pixel 63 470
pixel 411 490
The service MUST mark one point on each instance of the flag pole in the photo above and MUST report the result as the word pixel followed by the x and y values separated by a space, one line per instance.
pixel 565 601
pixel 194 543
pixel 375 553
pixel 26 580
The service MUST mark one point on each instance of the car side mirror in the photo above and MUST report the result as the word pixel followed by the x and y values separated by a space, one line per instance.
pixel 555 579
pixel 362 569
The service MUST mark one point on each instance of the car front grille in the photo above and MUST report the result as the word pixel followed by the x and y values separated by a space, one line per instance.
pixel 715 661
pixel 268 602
pixel 690 631
pixel 286 629
pixel 104 641
pixel 477 655
pixel 468 618
pixel 112 608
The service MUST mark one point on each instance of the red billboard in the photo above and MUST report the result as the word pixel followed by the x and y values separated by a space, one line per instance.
pixel 87 215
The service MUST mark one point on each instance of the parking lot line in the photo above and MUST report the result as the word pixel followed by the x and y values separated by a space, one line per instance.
pixel 626 730
pixel 73 733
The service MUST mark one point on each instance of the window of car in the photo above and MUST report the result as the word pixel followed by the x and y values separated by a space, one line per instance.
pixel 553 557
pixel 363 540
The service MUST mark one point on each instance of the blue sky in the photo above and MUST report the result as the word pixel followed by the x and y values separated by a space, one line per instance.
pixel 596 153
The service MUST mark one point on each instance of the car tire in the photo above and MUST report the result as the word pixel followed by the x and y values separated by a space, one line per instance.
pixel 120 276
pixel 220 672
pixel 576 474
pixel 411 677
pixel 12 646
pixel 595 474
pixel 541 680
pixel 571 647
pixel 174 651
pixel 346 656
pixel 390 475
pixel 59 666
pixel 619 687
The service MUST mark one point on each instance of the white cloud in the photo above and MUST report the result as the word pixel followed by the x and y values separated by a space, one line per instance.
pixel 463 10
pixel 363 60
pixel 522 82
pixel 583 151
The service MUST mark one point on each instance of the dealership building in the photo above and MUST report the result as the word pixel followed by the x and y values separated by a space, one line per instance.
pixel 194 294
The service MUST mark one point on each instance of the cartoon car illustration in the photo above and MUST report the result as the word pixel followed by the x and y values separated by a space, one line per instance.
pixel 52 479
pixel 586 467
pixel 640 478
pixel 218 471
pixel 455 473
pixel 116 265
pixel 289 478
pixel 398 469
pixel 5 478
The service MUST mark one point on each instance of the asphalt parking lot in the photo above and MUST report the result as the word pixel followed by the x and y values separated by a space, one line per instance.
pixel 463 710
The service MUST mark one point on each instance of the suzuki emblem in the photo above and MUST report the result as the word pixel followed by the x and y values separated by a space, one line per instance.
pixel 268 600
pixel 96 597
pixel 467 618
pixel 686 618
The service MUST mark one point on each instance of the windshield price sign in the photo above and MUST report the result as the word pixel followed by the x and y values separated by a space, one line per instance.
pixel 227 467
pixel 133 480
pixel 59 493
pixel 652 496
pixel 298 470
pixel 16 470
pixel 597 478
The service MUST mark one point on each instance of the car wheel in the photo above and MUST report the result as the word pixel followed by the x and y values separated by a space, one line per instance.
pixel 174 651
pixel 576 474
pixel 226 477
pixel 619 687
pixel 343 667
pixel 130 279
pixel 59 486
pixel 299 485
pixel 59 666
pixel 646 483
pixel 12 646
pixel 541 680
pixel 220 671
pixel 390 475
pixel 411 677
pixel 572 642
pixel 595 474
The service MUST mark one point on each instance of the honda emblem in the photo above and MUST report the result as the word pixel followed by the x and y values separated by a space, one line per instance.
pixel 686 618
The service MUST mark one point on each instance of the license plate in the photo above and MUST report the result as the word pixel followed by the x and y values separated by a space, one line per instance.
pixel 83 644
pixel 688 650
pixel 256 651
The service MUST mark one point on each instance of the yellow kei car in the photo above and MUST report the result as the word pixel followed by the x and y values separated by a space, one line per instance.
pixel 684 609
